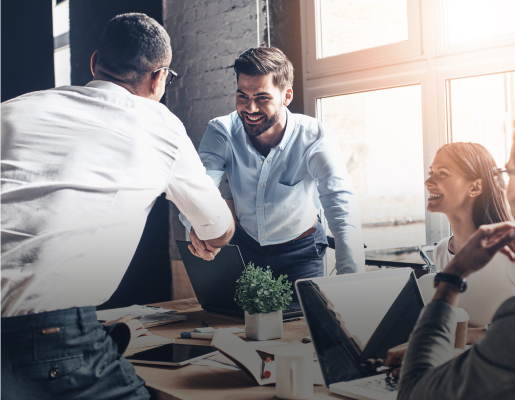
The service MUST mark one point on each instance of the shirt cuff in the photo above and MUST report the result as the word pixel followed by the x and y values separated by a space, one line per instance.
pixel 214 231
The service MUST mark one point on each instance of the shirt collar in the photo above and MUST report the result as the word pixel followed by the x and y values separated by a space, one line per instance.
pixel 106 85
pixel 290 126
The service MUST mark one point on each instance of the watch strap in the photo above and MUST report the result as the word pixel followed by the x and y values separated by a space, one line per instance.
pixel 461 283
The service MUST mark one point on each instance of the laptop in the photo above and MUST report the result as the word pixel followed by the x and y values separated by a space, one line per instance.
pixel 356 317
pixel 214 282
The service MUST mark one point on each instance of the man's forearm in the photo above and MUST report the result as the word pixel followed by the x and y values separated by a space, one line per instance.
pixel 224 239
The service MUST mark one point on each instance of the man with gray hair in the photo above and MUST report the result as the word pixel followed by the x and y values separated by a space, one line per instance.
pixel 81 169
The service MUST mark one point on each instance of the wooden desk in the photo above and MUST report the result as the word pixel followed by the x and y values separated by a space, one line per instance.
pixel 198 382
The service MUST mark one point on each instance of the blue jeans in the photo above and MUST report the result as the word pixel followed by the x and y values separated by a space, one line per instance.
pixel 299 259
pixel 67 354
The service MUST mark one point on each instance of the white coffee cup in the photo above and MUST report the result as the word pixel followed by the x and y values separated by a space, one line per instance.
pixel 294 373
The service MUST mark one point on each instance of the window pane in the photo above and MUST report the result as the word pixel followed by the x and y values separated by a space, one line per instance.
pixel 475 19
pixel 351 25
pixel 483 111
pixel 380 133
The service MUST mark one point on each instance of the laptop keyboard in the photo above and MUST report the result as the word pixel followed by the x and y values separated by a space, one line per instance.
pixel 382 385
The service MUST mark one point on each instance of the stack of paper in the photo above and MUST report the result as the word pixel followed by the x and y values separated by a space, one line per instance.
pixel 149 316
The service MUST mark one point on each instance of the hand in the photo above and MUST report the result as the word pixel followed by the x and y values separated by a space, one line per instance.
pixel 482 246
pixel 136 327
pixel 394 357
pixel 201 248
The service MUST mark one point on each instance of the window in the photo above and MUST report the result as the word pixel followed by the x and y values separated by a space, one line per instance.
pixel 352 25
pixel 476 19
pixel 482 110
pixel 61 22
pixel 398 84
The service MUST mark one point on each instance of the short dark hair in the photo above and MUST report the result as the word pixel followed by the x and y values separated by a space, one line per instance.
pixel 263 61
pixel 476 162
pixel 132 46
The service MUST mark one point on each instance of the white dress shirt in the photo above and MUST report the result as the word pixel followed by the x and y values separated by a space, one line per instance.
pixel 81 169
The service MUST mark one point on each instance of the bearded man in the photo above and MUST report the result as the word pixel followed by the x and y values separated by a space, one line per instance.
pixel 282 167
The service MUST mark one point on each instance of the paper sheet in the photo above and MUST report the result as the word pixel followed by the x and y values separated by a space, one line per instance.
pixel 214 363
pixel 135 310
pixel 244 356
pixel 149 341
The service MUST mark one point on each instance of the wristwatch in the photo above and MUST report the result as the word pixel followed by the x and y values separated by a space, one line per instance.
pixel 452 279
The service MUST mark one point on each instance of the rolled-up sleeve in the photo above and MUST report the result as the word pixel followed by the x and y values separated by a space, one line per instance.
pixel 196 195
pixel 340 204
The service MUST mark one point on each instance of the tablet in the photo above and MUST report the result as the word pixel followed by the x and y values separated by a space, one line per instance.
pixel 173 354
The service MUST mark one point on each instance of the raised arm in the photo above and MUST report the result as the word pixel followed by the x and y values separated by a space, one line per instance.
pixel 484 370
pixel 340 204
pixel 198 198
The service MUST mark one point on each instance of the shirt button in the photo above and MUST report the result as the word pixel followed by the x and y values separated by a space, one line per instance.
pixel 261 161
pixel 259 208
pixel 261 185
pixel 54 372
pixel 262 238
pixel 261 224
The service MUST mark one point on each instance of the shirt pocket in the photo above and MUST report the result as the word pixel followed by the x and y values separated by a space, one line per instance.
pixel 289 197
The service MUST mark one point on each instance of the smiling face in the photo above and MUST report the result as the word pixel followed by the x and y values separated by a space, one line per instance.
pixel 260 104
pixel 450 191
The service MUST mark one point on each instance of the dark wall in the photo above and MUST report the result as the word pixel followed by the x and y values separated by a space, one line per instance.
pixel 285 33
pixel 27 47
pixel 88 19
pixel 148 278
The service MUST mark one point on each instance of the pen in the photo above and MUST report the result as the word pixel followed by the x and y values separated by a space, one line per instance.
pixel 193 335
pixel 267 368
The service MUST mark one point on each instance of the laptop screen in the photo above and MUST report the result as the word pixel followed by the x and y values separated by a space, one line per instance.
pixel 354 317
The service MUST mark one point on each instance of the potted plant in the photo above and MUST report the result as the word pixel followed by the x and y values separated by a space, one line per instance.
pixel 263 298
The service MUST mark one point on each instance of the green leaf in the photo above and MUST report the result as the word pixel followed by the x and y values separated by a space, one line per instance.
pixel 258 291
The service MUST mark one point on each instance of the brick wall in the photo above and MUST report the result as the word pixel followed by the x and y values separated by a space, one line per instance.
pixel 207 36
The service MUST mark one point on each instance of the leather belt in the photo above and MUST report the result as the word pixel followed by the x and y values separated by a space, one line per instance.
pixel 302 235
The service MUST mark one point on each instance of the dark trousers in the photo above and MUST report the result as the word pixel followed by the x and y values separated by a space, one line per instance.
pixel 299 259
pixel 67 354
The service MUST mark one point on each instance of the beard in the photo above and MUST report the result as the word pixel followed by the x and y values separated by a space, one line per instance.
pixel 258 129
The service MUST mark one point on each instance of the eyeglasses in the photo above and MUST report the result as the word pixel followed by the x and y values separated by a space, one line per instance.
pixel 502 176
pixel 171 74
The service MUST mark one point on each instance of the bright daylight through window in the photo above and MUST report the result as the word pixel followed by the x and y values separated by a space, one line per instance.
pixel 352 25
pixel 396 80
pixel 380 133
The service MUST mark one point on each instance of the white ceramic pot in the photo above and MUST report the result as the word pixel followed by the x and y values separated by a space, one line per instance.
pixel 260 326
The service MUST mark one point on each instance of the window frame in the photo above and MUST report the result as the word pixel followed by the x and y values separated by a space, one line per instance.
pixel 432 67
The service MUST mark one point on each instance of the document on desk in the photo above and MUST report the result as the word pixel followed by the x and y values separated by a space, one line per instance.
pixel 135 310
pixel 243 355
pixel 148 316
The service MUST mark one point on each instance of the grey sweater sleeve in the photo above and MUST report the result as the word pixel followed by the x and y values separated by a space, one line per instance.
pixel 487 370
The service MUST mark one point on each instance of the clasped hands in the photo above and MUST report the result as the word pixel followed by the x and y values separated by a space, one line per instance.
pixel 202 248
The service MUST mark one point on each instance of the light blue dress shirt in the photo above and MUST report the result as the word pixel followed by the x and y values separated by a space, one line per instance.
pixel 278 197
